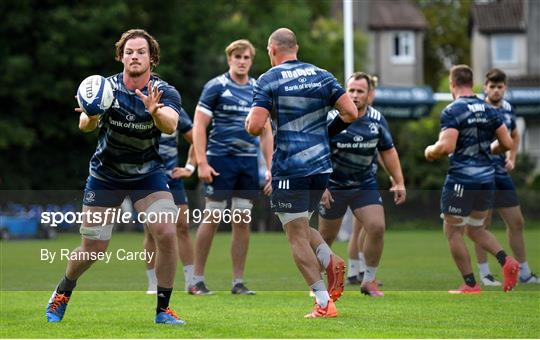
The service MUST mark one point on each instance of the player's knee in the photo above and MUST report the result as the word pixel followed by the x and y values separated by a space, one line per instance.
pixel 517 224
pixel 99 233
pixel 241 204
pixel 376 229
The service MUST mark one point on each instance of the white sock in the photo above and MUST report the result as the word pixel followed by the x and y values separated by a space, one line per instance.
pixel 323 253
pixel 369 274
pixel 188 275
pixel 524 270
pixel 151 275
pixel 321 294
pixel 237 281
pixel 362 259
pixel 483 268
pixel 196 279
pixel 354 265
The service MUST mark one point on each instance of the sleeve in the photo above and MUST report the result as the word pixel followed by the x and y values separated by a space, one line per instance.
pixel 185 124
pixel 262 93
pixel 448 121
pixel 496 119
pixel 171 98
pixel 209 97
pixel 331 116
pixel 385 139
pixel 334 89
pixel 513 124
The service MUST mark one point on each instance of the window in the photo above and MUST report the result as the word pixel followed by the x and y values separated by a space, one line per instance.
pixel 403 47
pixel 503 49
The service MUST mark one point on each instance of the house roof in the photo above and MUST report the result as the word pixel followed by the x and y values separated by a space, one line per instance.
pixel 395 14
pixel 499 16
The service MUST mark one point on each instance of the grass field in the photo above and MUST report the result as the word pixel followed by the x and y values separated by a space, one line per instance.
pixel 416 270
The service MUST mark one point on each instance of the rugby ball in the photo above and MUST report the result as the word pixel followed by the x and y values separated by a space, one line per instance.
pixel 95 95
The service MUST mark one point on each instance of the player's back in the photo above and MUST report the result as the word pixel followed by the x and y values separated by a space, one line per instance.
pixel 476 123
pixel 298 96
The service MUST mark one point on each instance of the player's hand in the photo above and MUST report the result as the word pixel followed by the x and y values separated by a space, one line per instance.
pixel 427 153
pixel 179 172
pixel 151 102
pixel 509 165
pixel 327 199
pixel 207 173
pixel 400 193
pixel 267 189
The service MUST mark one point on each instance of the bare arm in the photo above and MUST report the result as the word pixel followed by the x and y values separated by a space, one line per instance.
pixel 503 142
pixel 347 110
pixel 392 165
pixel 200 123
pixel 256 120
pixel 512 154
pixel 87 123
pixel 267 149
pixel 165 118
pixel 444 146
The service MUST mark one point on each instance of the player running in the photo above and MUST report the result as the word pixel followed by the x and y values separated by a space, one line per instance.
pixel 228 164
pixel 468 126
pixel 126 162
pixel 353 182
pixel 168 150
pixel 506 201
pixel 299 96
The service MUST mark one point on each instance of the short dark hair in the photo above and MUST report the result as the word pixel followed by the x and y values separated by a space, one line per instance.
pixel 495 75
pixel 461 75
pixel 138 33
pixel 362 75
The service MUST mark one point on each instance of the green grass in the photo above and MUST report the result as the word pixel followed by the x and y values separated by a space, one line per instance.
pixel 416 270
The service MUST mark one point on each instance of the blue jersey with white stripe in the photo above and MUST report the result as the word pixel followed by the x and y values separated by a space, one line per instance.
pixel 128 140
pixel 298 96
pixel 509 118
pixel 168 144
pixel 228 103
pixel 354 150
pixel 476 122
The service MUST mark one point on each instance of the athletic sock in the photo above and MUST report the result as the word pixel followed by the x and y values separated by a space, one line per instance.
pixel 469 280
pixel 237 281
pixel 483 268
pixel 151 275
pixel 524 270
pixel 66 286
pixel 362 265
pixel 369 274
pixel 163 297
pixel 501 257
pixel 321 294
pixel 188 275
pixel 196 279
pixel 323 253
pixel 354 267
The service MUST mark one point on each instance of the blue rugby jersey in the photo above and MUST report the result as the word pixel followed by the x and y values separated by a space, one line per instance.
pixel 476 122
pixel 228 103
pixel 509 118
pixel 168 144
pixel 354 150
pixel 128 140
pixel 298 96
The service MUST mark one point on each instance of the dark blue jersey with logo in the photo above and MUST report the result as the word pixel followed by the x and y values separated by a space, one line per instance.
pixel 128 141
pixel 228 103
pixel 509 119
pixel 476 122
pixel 354 150
pixel 168 144
pixel 298 96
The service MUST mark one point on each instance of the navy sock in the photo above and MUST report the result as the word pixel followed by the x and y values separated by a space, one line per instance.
pixel 469 280
pixel 163 297
pixel 66 286
pixel 501 257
